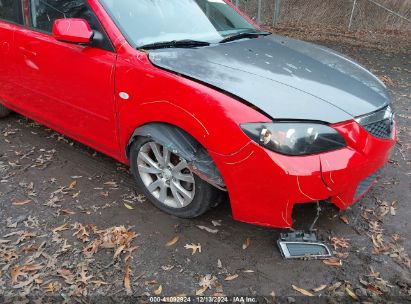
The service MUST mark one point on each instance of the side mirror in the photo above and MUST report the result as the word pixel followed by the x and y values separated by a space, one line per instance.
pixel 72 30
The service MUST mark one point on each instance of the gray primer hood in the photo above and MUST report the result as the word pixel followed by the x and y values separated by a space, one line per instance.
pixel 285 78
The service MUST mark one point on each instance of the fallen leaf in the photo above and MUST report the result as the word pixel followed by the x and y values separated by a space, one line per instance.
pixel 17 272
pixel 339 242
pixel 28 282
pixel 219 264
pixel 68 212
pixel 72 185
pixel 247 243
pixel 232 277
pixel 208 229
pixel 98 283
pixel 344 220
pixel 119 251
pixel 194 248
pixel 21 203
pixel 200 291
pixel 207 281
pixel 303 291
pixel 173 241
pixel 216 223
pixel 127 282
pixel 332 262
pixel 128 206
pixel 248 271
pixel 351 293
pixel 52 287
pixel 158 291
pixel 319 288
pixel 61 228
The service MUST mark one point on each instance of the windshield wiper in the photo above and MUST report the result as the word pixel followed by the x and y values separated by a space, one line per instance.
pixel 244 35
pixel 187 43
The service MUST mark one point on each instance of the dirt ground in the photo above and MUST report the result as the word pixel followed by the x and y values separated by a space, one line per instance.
pixel 63 206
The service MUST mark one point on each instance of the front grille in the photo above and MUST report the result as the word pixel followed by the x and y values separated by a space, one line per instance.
pixel 380 129
pixel 379 124
pixel 366 183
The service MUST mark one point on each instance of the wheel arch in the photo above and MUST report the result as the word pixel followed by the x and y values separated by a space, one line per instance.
pixel 185 145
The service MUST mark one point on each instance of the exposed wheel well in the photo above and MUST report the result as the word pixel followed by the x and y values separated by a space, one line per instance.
pixel 184 145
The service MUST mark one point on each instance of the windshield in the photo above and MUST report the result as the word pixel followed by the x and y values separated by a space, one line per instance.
pixel 151 21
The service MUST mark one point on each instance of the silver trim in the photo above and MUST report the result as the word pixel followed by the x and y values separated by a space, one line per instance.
pixel 380 115
pixel 287 255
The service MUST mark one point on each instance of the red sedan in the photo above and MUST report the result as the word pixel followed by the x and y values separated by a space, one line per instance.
pixel 197 99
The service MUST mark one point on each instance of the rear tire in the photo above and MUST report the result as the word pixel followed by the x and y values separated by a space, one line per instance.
pixel 4 112
pixel 203 194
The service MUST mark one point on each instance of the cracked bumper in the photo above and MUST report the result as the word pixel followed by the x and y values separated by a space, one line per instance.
pixel 264 186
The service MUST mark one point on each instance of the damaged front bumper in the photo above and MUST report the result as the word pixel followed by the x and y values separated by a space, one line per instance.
pixel 264 186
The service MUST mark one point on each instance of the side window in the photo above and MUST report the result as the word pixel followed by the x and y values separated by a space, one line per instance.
pixel 10 10
pixel 43 13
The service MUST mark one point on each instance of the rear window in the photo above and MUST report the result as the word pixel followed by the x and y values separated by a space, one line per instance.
pixel 10 10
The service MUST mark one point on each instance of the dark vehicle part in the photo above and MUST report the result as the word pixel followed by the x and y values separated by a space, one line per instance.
pixel 243 35
pixel 295 138
pixel 196 198
pixel 285 78
pixel 182 144
pixel 301 245
pixel 4 111
pixel 380 124
pixel 187 43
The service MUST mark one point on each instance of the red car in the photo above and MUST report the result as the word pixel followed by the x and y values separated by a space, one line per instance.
pixel 197 99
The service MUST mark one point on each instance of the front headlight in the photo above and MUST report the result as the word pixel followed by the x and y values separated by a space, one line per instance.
pixel 295 138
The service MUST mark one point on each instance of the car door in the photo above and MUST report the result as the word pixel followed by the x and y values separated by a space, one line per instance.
pixel 11 16
pixel 69 87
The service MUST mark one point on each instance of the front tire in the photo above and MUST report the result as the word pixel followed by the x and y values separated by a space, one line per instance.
pixel 167 180
pixel 4 112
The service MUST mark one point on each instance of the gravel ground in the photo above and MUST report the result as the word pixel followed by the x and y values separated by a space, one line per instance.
pixel 73 226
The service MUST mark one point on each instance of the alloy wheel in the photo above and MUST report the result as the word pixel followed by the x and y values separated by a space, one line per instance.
pixel 165 175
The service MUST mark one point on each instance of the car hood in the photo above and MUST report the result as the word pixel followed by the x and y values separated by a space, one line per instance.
pixel 283 77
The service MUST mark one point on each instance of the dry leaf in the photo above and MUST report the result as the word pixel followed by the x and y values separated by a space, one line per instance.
pixel 332 262
pixel 200 291
pixel 351 293
pixel 344 219
pixel 219 264
pixel 216 223
pixel 248 271
pixel 208 229
pixel 119 251
pixel 319 288
pixel 194 248
pixel 68 212
pixel 247 243
pixel 72 185
pixel 173 241
pixel 16 272
pixel 158 291
pixel 84 278
pixel 61 228
pixel 98 283
pixel 81 232
pixel 21 203
pixel 303 291
pixel 232 277
pixel 339 242
pixel 128 206
pixel 127 282
pixel 207 281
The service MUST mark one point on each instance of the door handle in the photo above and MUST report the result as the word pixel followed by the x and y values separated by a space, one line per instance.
pixel 27 52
